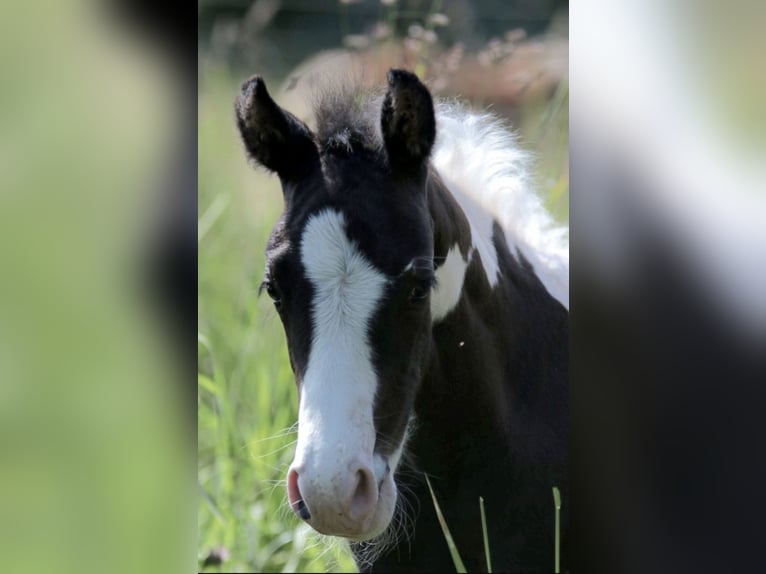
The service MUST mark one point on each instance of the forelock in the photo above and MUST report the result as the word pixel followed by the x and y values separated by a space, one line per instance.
pixel 348 118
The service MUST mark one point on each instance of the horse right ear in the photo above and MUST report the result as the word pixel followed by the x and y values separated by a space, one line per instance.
pixel 407 122
pixel 274 137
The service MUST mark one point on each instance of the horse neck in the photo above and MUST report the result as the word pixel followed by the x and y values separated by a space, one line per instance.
pixel 491 411
pixel 493 353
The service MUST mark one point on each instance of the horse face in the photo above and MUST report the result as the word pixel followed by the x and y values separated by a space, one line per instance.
pixel 350 270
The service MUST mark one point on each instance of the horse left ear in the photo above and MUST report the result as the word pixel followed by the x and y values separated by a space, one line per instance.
pixel 407 122
pixel 274 137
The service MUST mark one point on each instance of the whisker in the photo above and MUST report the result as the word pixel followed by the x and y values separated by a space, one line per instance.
pixel 281 448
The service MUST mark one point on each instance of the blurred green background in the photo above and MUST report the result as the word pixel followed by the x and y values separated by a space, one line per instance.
pixel 95 469
pixel 510 57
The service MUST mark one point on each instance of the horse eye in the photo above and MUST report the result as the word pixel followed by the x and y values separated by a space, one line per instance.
pixel 272 292
pixel 418 293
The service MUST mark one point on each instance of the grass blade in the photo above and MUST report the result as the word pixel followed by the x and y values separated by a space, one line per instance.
pixel 484 533
pixel 208 384
pixel 211 215
pixel 459 566
pixel 557 504
pixel 211 504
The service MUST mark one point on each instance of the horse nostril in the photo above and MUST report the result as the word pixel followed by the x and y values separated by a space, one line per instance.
pixel 303 510
pixel 365 495
pixel 295 497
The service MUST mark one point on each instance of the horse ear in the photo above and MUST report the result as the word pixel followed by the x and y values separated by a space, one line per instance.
pixel 274 137
pixel 407 121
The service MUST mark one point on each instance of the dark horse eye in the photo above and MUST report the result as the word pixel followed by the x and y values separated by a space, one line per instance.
pixel 419 293
pixel 272 292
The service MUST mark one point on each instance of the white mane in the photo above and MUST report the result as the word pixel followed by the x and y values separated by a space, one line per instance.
pixel 478 158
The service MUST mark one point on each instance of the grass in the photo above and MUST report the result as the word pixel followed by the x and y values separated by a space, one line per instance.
pixel 247 400
pixel 557 543
pixel 454 553
pixel 485 535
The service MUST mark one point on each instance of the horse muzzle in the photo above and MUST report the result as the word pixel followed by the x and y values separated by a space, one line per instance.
pixel 351 500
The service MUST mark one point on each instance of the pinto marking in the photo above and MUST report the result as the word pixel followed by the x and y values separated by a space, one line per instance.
pixel 481 223
pixel 448 289
pixel 484 167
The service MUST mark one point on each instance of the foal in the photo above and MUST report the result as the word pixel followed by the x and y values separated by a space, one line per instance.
pixel 426 335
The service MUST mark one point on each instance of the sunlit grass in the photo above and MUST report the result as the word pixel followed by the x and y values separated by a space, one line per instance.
pixel 557 547
pixel 485 535
pixel 453 550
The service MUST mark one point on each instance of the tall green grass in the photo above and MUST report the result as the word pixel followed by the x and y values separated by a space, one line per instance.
pixel 455 551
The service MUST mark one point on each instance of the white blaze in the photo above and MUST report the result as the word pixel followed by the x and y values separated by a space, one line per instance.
pixel 335 419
